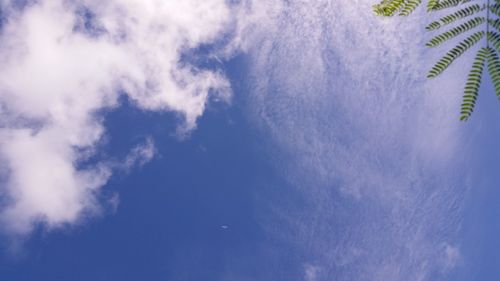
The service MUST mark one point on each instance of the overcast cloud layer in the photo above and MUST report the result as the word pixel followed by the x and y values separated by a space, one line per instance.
pixel 366 139
pixel 61 63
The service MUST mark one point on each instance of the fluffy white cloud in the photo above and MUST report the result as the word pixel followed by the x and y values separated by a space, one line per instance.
pixel 63 61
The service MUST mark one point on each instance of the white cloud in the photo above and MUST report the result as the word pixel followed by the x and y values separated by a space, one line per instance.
pixel 63 61
pixel 114 202
pixel 451 256
pixel 311 272
pixel 43 182
pixel 140 155
pixel 369 143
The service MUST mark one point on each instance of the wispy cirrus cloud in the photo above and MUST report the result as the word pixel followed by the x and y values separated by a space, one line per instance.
pixel 370 143
pixel 62 62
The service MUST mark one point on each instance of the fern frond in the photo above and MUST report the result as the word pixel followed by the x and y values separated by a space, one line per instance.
pixel 495 9
pixel 460 14
pixel 449 4
pixel 464 27
pixel 494 70
pixel 494 38
pixel 432 4
pixel 388 8
pixel 455 53
pixel 471 90
pixel 495 23
pixel 409 7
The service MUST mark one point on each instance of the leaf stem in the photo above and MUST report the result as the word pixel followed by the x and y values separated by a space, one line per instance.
pixel 487 24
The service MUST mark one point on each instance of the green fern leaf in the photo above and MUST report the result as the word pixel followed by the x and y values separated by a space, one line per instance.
pixel 449 4
pixel 464 27
pixel 388 8
pixel 455 53
pixel 486 55
pixel 460 14
pixel 471 90
pixel 495 9
pixel 409 7
pixel 494 70
pixel 495 23
pixel 432 4
pixel 494 38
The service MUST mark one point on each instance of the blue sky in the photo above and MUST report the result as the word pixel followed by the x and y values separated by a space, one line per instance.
pixel 240 140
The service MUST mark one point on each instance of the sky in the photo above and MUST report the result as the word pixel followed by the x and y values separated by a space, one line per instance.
pixel 238 140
